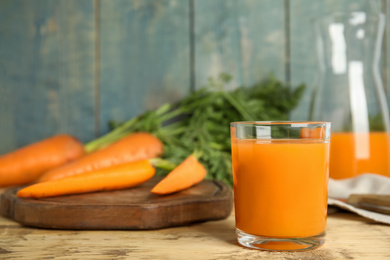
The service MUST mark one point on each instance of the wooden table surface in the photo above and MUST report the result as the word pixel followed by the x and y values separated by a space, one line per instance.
pixel 348 237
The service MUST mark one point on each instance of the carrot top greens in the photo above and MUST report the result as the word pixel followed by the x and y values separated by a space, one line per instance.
pixel 201 121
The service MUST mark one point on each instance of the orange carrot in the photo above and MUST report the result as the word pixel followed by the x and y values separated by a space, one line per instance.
pixel 186 174
pixel 133 147
pixel 26 164
pixel 112 178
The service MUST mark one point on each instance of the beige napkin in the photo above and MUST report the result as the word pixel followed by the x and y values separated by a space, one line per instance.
pixel 362 184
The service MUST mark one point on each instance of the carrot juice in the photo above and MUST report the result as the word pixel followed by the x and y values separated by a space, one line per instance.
pixel 280 185
pixel 352 154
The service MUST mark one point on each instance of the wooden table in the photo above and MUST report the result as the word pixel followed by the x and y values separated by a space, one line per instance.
pixel 348 237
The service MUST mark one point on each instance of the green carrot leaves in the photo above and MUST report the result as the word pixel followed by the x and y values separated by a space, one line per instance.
pixel 201 121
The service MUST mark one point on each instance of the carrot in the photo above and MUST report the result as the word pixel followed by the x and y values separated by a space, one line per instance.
pixel 26 164
pixel 112 178
pixel 186 174
pixel 133 147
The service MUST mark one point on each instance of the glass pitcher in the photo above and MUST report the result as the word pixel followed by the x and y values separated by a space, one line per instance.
pixel 350 93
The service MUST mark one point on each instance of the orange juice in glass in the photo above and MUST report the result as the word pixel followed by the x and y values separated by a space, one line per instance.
pixel 280 176
pixel 353 153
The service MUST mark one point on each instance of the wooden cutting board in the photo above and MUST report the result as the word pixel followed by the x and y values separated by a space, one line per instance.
pixel 130 209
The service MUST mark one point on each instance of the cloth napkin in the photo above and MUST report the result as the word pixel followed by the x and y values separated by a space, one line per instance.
pixel 362 184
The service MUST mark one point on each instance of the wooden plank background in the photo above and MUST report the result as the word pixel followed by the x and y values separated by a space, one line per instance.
pixel 144 62
pixel 46 70
pixel 245 38
pixel 73 65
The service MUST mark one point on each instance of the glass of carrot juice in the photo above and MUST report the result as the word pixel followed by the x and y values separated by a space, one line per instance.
pixel 280 176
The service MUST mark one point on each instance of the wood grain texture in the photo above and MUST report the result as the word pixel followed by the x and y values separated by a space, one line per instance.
pixel 144 56
pixel 46 68
pixel 304 68
pixel 145 53
pixel 128 209
pixel 242 38
pixel 348 237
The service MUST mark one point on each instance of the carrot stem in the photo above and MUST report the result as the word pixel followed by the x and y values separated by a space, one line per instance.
pixel 162 164
pixel 197 154
pixel 126 128
pixel 110 137
pixel 247 116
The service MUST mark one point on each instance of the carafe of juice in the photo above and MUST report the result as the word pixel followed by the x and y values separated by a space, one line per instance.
pixel 350 93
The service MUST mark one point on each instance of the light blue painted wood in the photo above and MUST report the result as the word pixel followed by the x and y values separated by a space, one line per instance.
pixel 243 38
pixel 304 67
pixel 47 56
pixel 145 59
pixel 46 70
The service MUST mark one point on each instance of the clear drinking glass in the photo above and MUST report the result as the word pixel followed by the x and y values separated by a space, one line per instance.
pixel 280 175
pixel 350 93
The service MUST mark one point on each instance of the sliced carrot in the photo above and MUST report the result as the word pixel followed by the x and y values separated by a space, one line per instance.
pixel 112 178
pixel 134 147
pixel 26 164
pixel 185 175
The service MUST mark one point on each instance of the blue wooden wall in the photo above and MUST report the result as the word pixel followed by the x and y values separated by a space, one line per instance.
pixel 72 65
